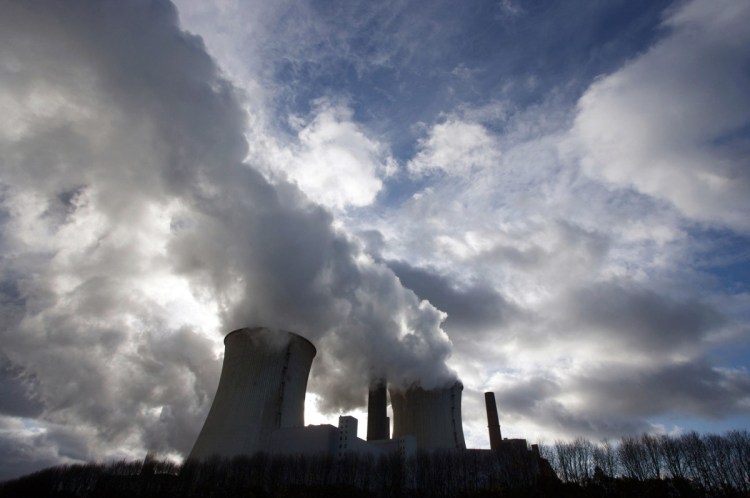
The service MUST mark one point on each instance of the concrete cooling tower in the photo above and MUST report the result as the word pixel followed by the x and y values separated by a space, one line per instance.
pixel 261 388
pixel 378 424
pixel 433 417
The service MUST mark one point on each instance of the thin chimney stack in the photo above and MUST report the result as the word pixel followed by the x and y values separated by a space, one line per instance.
pixel 493 423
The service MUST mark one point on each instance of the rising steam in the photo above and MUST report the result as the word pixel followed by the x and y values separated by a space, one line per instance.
pixel 127 203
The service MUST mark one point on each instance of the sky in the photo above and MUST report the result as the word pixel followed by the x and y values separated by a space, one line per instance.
pixel 548 200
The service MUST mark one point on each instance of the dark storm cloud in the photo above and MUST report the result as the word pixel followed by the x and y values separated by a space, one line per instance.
pixel 23 453
pixel 526 396
pixel 474 306
pixel 26 447
pixel 618 398
pixel 534 399
pixel 640 318
pixel 647 357
pixel 17 394
pixel 580 423
pixel 694 388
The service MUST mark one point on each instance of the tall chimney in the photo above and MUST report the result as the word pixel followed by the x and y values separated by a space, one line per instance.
pixel 378 424
pixel 493 423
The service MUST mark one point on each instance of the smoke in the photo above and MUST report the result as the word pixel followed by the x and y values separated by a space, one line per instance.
pixel 134 230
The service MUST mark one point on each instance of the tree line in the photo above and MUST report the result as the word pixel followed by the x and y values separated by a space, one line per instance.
pixel 686 466
pixel 436 474
pixel 718 465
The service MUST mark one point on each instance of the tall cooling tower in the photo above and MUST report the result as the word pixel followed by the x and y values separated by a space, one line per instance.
pixel 378 425
pixel 261 388
pixel 433 417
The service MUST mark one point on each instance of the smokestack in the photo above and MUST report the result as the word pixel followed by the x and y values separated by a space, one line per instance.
pixel 493 423
pixel 261 388
pixel 378 424
pixel 432 417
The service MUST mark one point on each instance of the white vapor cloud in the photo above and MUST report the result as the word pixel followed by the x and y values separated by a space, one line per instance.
pixel 672 123
pixel 134 236
pixel 455 147
pixel 334 161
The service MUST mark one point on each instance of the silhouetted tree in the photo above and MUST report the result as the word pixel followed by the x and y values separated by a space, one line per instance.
pixel 652 456
pixel 605 457
pixel 687 466
pixel 673 456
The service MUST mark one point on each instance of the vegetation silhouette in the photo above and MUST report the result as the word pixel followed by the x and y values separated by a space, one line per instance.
pixel 689 466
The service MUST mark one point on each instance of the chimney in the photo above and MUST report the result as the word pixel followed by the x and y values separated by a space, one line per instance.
pixel 492 421
pixel 378 423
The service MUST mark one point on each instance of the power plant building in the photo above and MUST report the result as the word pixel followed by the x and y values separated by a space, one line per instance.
pixel 338 441
pixel 260 401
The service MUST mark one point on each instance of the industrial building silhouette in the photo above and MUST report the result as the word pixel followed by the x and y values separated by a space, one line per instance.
pixel 259 408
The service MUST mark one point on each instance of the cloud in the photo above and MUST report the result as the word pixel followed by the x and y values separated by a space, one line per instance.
pixel 639 318
pixel 471 308
pixel 334 160
pixel 18 391
pixel 672 123
pixel 693 388
pixel 455 147
pixel 25 449
pixel 510 9
pixel 540 407
pixel 147 206
pixel 134 236
pixel 613 398
pixel 593 276
pixel 529 215
pixel 603 359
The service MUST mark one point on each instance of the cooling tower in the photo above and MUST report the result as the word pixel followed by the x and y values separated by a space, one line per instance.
pixel 378 426
pixel 261 388
pixel 433 417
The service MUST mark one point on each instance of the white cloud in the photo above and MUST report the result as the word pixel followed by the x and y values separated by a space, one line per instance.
pixel 594 274
pixel 133 235
pixel 456 147
pixel 672 123
pixel 335 162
